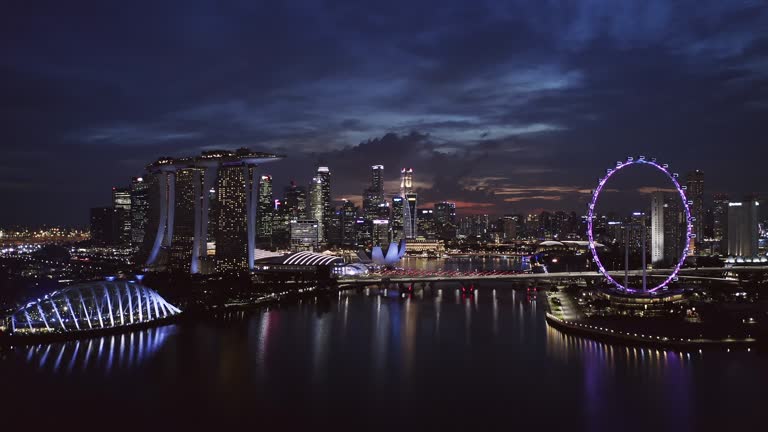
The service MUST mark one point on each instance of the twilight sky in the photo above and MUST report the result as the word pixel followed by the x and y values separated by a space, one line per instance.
pixel 501 106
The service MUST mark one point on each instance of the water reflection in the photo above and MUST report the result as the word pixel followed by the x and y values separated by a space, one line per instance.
pixel 104 354
pixel 666 375
pixel 564 346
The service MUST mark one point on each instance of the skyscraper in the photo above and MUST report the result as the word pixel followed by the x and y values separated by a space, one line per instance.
pixel 216 202
pixel 281 224
pixel 445 220
pixel 296 201
pixel 266 209
pixel 667 229
pixel 316 207
pixel 743 228
pixel 377 180
pixel 347 223
pixel 373 196
pixel 232 222
pixel 187 199
pixel 695 192
pixel 409 210
pixel 324 174
pixel 121 202
pixel 398 214
pixel 720 221
pixel 509 227
pixel 426 221
pixel 139 210
pixel 410 216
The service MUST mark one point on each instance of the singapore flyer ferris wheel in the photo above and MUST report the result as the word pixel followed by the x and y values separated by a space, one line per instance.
pixel 664 168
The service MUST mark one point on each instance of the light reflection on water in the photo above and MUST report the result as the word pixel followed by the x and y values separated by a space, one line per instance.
pixel 104 355
pixel 367 350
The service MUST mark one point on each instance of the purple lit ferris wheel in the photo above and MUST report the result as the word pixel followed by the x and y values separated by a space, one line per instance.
pixel 591 215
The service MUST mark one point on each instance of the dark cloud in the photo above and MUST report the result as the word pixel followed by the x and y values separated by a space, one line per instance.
pixel 478 97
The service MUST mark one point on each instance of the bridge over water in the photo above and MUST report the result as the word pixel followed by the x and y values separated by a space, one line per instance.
pixel 721 274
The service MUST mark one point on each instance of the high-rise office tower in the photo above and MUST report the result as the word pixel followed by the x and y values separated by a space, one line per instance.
pixel 324 174
pixel 657 228
pixel 296 201
pixel 266 209
pixel 380 233
pixel 720 221
pixel 410 216
pixel 377 180
pixel 509 227
pixel 348 218
pixel 695 192
pixel 121 202
pixel 426 223
pixel 445 212
pixel 373 196
pixel 667 229
pixel 316 208
pixel 187 198
pixel 281 224
pixel 139 210
pixel 398 214
pixel 445 220
pixel 743 228
pixel 232 222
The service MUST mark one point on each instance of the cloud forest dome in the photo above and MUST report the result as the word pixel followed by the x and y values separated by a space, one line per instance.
pixel 92 306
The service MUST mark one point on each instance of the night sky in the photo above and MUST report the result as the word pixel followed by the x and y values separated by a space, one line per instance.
pixel 501 106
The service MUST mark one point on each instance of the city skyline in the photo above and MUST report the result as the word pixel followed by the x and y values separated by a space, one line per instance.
pixel 524 100
pixel 355 214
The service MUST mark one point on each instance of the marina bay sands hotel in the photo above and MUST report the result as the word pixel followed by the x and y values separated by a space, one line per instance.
pixel 202 211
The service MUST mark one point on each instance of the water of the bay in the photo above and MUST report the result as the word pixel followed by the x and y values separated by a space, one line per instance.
pixel 366 360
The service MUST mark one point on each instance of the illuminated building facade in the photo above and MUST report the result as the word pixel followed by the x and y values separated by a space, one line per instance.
pixel 296 201
pixel 410 218
pixel 139 210
pixel 445 219
pixel 217 205
pixel 398 218
pixel 232 203
pixel 324 175
pixel 509 227
pixel 373 196
pixel 266 209
pixel 121 202
pixel 305 235
pixel 743 234
pixel 667 229
pixel 187 193
pixel 316 205
pixel 720 221
pixel 426 220
pixel 348 217
pixel 320 208
pixel 695 192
